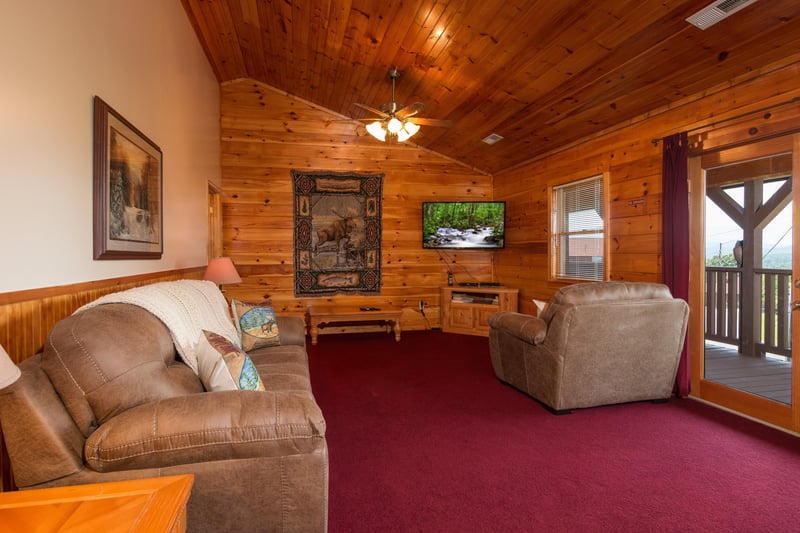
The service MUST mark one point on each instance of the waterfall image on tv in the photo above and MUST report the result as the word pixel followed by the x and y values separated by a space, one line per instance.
pixel 463 225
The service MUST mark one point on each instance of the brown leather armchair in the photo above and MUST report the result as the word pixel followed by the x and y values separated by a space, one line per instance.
pixel 109 400
pixel 593 344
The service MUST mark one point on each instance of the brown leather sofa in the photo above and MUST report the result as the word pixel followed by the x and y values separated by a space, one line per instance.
pixel 108 400
pixel 593 344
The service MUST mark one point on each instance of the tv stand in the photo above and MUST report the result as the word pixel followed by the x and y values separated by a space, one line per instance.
pixel 466 308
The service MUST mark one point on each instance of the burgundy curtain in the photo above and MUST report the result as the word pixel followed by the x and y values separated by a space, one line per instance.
pixel 675 190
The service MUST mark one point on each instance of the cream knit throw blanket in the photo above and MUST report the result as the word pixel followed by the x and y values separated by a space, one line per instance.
pixel 186 307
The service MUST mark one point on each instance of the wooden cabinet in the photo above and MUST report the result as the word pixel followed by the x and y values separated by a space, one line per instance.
pixel 467 309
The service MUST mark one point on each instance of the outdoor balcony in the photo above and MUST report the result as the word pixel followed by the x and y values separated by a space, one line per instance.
pixel 755 358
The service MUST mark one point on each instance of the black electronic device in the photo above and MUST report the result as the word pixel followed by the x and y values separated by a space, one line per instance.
pixel 370 308
pixel 469 284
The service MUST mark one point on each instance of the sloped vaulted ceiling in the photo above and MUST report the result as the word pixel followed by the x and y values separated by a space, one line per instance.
pixel 542 73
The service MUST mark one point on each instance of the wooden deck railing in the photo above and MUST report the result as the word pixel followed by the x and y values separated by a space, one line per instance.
pixel 723 289
pixel 723 309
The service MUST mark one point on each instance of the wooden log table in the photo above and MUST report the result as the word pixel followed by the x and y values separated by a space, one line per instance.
pixel 330 315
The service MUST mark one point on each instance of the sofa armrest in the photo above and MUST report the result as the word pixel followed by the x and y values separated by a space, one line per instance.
pixel 291 330
pixel 206 427
pixel 525 327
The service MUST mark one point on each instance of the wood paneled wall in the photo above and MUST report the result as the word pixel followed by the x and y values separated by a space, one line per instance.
pixel 26 317
pixel 266 133
pixel 633 163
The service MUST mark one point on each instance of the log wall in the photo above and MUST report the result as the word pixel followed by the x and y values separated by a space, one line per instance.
pixel 633 163
pixel 266 133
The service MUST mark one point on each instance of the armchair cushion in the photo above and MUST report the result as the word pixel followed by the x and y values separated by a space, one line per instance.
pixel 207 427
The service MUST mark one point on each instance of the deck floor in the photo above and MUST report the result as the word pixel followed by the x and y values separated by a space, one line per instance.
pixel 765 377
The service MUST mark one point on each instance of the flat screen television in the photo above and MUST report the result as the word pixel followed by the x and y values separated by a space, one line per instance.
pixel 463 225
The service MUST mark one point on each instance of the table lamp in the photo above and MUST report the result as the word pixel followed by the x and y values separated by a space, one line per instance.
pixel 222 271
pixel 9 372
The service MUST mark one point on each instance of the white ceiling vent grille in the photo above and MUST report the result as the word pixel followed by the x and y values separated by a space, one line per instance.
pixel 493 138
pixel 716 11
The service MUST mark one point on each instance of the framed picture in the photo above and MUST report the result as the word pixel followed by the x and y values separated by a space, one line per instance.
pixel 127 189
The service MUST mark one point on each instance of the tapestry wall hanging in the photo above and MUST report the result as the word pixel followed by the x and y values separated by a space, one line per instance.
pixel 337 233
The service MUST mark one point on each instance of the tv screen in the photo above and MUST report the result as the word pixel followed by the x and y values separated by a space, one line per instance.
pixel 463 225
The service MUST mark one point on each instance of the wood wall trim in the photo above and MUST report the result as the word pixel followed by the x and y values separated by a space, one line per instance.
pixel 60 290
pixel 27 316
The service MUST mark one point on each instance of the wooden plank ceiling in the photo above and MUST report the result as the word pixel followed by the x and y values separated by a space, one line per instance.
pixel 541 73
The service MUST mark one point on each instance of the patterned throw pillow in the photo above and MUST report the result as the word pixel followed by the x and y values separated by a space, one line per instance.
pixel 256 324
pixel 223 366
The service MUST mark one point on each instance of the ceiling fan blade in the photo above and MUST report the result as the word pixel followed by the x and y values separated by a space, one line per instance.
pixel 410 110
pixel 372 110
pixel 441 123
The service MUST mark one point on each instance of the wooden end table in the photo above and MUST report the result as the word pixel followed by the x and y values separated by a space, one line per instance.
pixel 327 315
pixel 134 506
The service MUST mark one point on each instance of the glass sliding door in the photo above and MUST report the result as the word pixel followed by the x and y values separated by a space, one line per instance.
pixel 746 273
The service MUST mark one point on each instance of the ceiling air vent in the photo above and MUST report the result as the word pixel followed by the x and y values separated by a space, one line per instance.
pixel 716 11
pixel 493 138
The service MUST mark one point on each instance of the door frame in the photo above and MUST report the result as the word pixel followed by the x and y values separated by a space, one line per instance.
pixel 772 412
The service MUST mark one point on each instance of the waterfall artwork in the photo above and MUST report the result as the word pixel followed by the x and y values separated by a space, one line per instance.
pixel 463 225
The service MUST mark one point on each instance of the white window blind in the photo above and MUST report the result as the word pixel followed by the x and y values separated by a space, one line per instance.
pixel 578 230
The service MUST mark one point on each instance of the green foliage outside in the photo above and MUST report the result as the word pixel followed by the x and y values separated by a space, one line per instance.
pixel 726 260
pixel 779 259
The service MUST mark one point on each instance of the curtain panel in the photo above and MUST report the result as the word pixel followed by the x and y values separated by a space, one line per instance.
pixel 675 190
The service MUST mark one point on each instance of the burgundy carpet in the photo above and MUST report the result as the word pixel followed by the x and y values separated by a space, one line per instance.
pixel 423 437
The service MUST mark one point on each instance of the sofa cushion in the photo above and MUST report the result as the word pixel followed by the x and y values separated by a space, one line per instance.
pixel 223 366
pixel 283 368
pixel 110 358
pixel 211 426
pixel 256 324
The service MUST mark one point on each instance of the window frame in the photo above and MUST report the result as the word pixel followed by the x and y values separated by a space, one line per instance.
pixel 555 273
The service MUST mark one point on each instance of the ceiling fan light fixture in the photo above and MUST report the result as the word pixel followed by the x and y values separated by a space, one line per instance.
pixel 411 128
pixel 394 126
pixel 376 130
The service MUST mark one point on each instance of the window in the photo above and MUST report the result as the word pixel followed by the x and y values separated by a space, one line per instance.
pixel 578 229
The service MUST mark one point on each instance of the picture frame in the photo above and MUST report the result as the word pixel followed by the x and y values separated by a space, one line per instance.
pixel 128 189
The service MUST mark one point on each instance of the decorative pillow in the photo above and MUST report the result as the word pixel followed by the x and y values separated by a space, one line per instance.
pixel 256 324
pixel 223 366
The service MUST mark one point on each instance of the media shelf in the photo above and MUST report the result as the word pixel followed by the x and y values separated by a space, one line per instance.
pixel 466 309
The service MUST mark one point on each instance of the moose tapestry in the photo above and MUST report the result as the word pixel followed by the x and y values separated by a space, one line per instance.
pixel 337 233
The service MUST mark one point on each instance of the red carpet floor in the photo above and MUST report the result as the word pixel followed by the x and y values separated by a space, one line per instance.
pixel 423 437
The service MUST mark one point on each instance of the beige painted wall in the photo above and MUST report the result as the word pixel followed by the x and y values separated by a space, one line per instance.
pixel 144 60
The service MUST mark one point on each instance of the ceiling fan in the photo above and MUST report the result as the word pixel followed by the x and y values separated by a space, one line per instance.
pixel 396 120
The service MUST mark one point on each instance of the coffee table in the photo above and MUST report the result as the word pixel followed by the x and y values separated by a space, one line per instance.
pixel 328 315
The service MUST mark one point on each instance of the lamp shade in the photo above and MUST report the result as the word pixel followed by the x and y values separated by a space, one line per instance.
pixel 376 130
pixel 9 372
pixel 221 271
